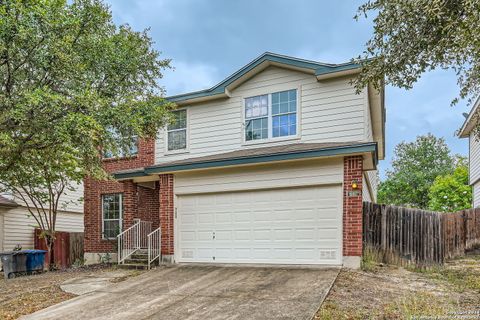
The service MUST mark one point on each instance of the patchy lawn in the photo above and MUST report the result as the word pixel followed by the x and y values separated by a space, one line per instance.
pixel 387 292
pixel 27 294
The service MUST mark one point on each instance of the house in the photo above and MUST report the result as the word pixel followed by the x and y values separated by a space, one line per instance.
pixel 269 166
pixel 468 131
pixel 17 225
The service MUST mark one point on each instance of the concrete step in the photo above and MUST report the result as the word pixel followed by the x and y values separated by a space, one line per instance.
pixel 136 261
pixel 139 256
pixel 133 266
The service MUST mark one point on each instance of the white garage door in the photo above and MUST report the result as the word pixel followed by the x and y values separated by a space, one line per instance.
pixel 285 226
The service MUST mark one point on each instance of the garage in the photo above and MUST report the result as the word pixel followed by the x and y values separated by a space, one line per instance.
pixel 294 225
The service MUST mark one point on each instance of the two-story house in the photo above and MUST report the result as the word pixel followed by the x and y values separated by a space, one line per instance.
pixel 269 166
pixel 468 131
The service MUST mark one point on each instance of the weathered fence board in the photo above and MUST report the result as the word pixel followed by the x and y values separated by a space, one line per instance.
pixel 68 247
pixel 407 236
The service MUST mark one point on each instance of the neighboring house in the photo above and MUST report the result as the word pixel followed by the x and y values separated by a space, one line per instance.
pixel 17 225
pixel 468 131
pixel 269 166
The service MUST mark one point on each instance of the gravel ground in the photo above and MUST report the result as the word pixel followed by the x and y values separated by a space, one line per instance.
pixel 27 294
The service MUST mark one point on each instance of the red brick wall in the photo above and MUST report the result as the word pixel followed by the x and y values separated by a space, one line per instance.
pixel 148 205
pixel 352 206
pixel 93 190
pixel 166 212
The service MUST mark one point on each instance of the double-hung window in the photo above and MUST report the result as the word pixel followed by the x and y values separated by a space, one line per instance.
pixel 256 116
pixel 130 151
pixel 177 131
pixel 271 115
pixel 112 215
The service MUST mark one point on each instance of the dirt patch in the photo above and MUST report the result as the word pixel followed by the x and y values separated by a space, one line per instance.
pixel 25 295
pixel 388 292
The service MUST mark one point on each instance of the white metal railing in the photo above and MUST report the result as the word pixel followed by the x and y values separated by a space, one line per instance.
pixel 154 245
pixel 144 230
pixel 133 239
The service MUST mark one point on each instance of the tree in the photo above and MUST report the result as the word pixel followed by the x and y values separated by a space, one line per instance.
pixel 72 83
pixel 451 192
pixel 41 184
pixel 415 166
pixel 412 37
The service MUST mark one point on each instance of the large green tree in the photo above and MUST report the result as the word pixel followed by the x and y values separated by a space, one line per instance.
pixel 451 192
pixel 412 37
pixel 415 166
pixel 72 83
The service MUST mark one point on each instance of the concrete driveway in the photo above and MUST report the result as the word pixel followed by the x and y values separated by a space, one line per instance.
pixel 204 292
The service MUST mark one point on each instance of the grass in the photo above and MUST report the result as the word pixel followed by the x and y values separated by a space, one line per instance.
pixel 413 305
pixel 368 263
pixel 461 279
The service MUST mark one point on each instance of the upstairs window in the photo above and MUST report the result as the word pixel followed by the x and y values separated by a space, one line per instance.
pixel 256 115
pixel 271 115
pixel 284 113
pixel 112 215
pixel 132 149
pixel 177 131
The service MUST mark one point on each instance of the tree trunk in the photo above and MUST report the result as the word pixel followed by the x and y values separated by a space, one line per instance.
pixel 50 242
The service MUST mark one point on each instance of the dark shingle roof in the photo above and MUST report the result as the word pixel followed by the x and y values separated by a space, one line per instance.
pixel 251 155
pixel 255 152
pixel 5 202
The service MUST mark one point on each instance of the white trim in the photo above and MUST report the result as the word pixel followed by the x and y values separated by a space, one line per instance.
pixel 270 138
pixel 187 135
pixel 120 215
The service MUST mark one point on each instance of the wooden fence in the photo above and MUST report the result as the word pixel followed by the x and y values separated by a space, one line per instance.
pixel 407 236
pixel 68 247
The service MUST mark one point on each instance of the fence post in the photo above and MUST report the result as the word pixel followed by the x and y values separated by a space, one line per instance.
pixel 383 215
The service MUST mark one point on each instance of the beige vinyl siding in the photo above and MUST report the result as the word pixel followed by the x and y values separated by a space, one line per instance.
pixel 365 191
pixel 284 175
pixel 373 181
pixel 476 195
pixel 71 201
pixel 328 111
pixel 368 119
pixel 18 226
pixel 2 229
pixel 474 159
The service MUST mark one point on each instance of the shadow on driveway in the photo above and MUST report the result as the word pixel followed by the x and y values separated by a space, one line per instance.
pixel 204 292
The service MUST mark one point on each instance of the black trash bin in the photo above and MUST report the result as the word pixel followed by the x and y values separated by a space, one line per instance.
pixel 13 262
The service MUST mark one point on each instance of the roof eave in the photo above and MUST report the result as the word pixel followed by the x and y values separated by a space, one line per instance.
pixel 370 147
pixel 326 75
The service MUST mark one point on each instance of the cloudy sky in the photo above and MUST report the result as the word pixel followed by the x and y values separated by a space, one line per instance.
pixel 208 40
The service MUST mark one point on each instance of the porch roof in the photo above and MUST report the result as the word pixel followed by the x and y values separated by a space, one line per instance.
pixel 294 151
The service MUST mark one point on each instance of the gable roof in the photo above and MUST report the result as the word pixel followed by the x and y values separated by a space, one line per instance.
pixel 469 122
pixel 321 70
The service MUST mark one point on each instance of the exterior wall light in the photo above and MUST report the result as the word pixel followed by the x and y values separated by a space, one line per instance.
pixel 354 184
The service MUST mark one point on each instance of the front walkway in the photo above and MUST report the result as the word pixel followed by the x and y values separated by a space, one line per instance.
pixel 204 292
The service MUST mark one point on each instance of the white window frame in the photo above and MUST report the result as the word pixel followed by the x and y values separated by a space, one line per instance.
pixel 120 215
pixel 187 134
pixel 270 138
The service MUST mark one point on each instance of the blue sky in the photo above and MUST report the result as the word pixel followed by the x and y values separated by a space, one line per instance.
pixel 209 40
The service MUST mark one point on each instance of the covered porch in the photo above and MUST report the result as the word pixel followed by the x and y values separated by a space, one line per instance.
pixel 144 236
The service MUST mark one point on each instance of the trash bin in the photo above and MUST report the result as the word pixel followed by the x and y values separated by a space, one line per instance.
pixel 23 261
pixel 35 260
pixel 13 262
